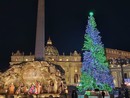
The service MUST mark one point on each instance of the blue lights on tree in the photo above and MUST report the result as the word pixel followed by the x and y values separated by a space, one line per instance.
pixel 95 68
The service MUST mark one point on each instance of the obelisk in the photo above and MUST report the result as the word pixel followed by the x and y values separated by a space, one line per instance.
pixel 40 32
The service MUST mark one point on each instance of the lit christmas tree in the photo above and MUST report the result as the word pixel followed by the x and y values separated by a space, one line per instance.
pixel 95 68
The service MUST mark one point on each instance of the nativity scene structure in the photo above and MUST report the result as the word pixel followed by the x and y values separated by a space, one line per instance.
pixel 36 77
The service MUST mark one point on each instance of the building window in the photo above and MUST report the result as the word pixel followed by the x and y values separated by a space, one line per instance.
pixel 125 75
pixel 76 78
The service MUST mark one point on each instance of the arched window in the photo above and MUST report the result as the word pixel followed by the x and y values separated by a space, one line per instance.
pixel 76 78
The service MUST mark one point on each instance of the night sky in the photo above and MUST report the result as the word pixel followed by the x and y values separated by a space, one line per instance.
pixel 65 24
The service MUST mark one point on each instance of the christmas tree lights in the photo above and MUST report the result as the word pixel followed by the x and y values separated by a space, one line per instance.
pixel 95 69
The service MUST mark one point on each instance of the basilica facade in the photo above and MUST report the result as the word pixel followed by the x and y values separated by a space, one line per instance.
pixel 72 63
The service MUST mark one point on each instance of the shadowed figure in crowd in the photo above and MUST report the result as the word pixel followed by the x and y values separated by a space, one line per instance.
pixel 74 94
pixel 103 94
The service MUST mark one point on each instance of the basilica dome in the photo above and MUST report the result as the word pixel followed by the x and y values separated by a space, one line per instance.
pixel 50 50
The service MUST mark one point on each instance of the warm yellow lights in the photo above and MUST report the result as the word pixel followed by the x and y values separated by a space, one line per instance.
pixel 6 90
pixel 66 91
pixel 112 66
pixel 75 70
pixel 78 80
pixel 60 59
pixel 75 59
pixel 114 81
